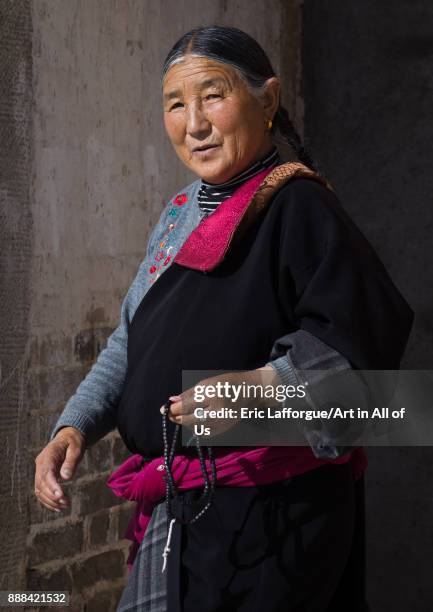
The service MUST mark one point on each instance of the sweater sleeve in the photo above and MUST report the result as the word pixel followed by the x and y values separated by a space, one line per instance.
pixel 92 408
pixel 299 351
pixel 302 348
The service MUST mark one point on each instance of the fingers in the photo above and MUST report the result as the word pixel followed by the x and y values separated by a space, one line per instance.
pixel 48 490
pixel 183 413
pixel 176 410
pixel 73 456
pixel 175 417
pixel 181 406
pixel 45 501
pixel 177 407
pixel 59 458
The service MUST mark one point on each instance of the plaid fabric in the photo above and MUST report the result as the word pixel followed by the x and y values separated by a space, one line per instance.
pixel 145 590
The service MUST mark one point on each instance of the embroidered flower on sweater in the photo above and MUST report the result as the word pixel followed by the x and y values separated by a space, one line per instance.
pixel 162 257
pixel 180 199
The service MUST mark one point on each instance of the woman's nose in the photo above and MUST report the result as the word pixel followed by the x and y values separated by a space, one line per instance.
pixel 197 122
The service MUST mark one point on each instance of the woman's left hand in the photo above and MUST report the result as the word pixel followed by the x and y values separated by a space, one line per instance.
pixel 183 407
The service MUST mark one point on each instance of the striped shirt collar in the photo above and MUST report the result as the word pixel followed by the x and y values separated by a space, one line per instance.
pixel 211 195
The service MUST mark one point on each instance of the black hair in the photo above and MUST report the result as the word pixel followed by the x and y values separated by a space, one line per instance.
pixel 237 48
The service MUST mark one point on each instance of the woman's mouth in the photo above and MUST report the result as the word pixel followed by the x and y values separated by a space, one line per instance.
pixel 204 150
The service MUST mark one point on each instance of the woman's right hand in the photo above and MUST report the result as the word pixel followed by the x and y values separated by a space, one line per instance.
pixel 59 459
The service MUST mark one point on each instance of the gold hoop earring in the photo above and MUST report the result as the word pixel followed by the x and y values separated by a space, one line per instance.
pixel 270 123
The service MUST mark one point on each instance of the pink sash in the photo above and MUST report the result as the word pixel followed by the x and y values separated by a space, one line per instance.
pixel 239 468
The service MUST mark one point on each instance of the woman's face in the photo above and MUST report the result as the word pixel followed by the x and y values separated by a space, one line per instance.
pixel 215 125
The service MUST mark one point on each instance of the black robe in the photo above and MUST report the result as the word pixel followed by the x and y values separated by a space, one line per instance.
pixel 302 265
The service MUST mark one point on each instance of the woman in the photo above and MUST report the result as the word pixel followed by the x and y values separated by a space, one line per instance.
pixel 254 267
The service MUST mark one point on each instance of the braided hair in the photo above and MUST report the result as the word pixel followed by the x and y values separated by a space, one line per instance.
pixel 240 50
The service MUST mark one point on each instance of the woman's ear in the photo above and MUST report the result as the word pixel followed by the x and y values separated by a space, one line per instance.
pixel 271 97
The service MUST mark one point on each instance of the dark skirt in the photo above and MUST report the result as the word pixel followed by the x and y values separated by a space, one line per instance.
pixel 297 545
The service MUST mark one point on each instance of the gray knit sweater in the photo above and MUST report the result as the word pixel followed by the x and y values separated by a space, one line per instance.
pixel 92 408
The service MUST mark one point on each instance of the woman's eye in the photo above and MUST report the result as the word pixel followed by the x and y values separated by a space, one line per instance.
pixel 212 96
pixel 176 105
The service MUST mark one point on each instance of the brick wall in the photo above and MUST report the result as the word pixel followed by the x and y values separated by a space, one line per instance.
pixel 15 279
pixel 82 550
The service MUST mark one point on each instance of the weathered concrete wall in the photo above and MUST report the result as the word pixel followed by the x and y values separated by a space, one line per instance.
pixel 15 262
pixel 102 171
pixel 368 84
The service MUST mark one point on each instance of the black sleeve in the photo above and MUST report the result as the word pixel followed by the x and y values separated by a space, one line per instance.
pixel 347 313
pixel 332 283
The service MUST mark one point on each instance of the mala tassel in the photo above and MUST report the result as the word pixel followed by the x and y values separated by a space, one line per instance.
pixel 167 548
pixel 170 486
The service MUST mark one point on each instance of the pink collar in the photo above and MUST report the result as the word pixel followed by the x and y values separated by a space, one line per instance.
pixel 210 242
pixel 206 245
